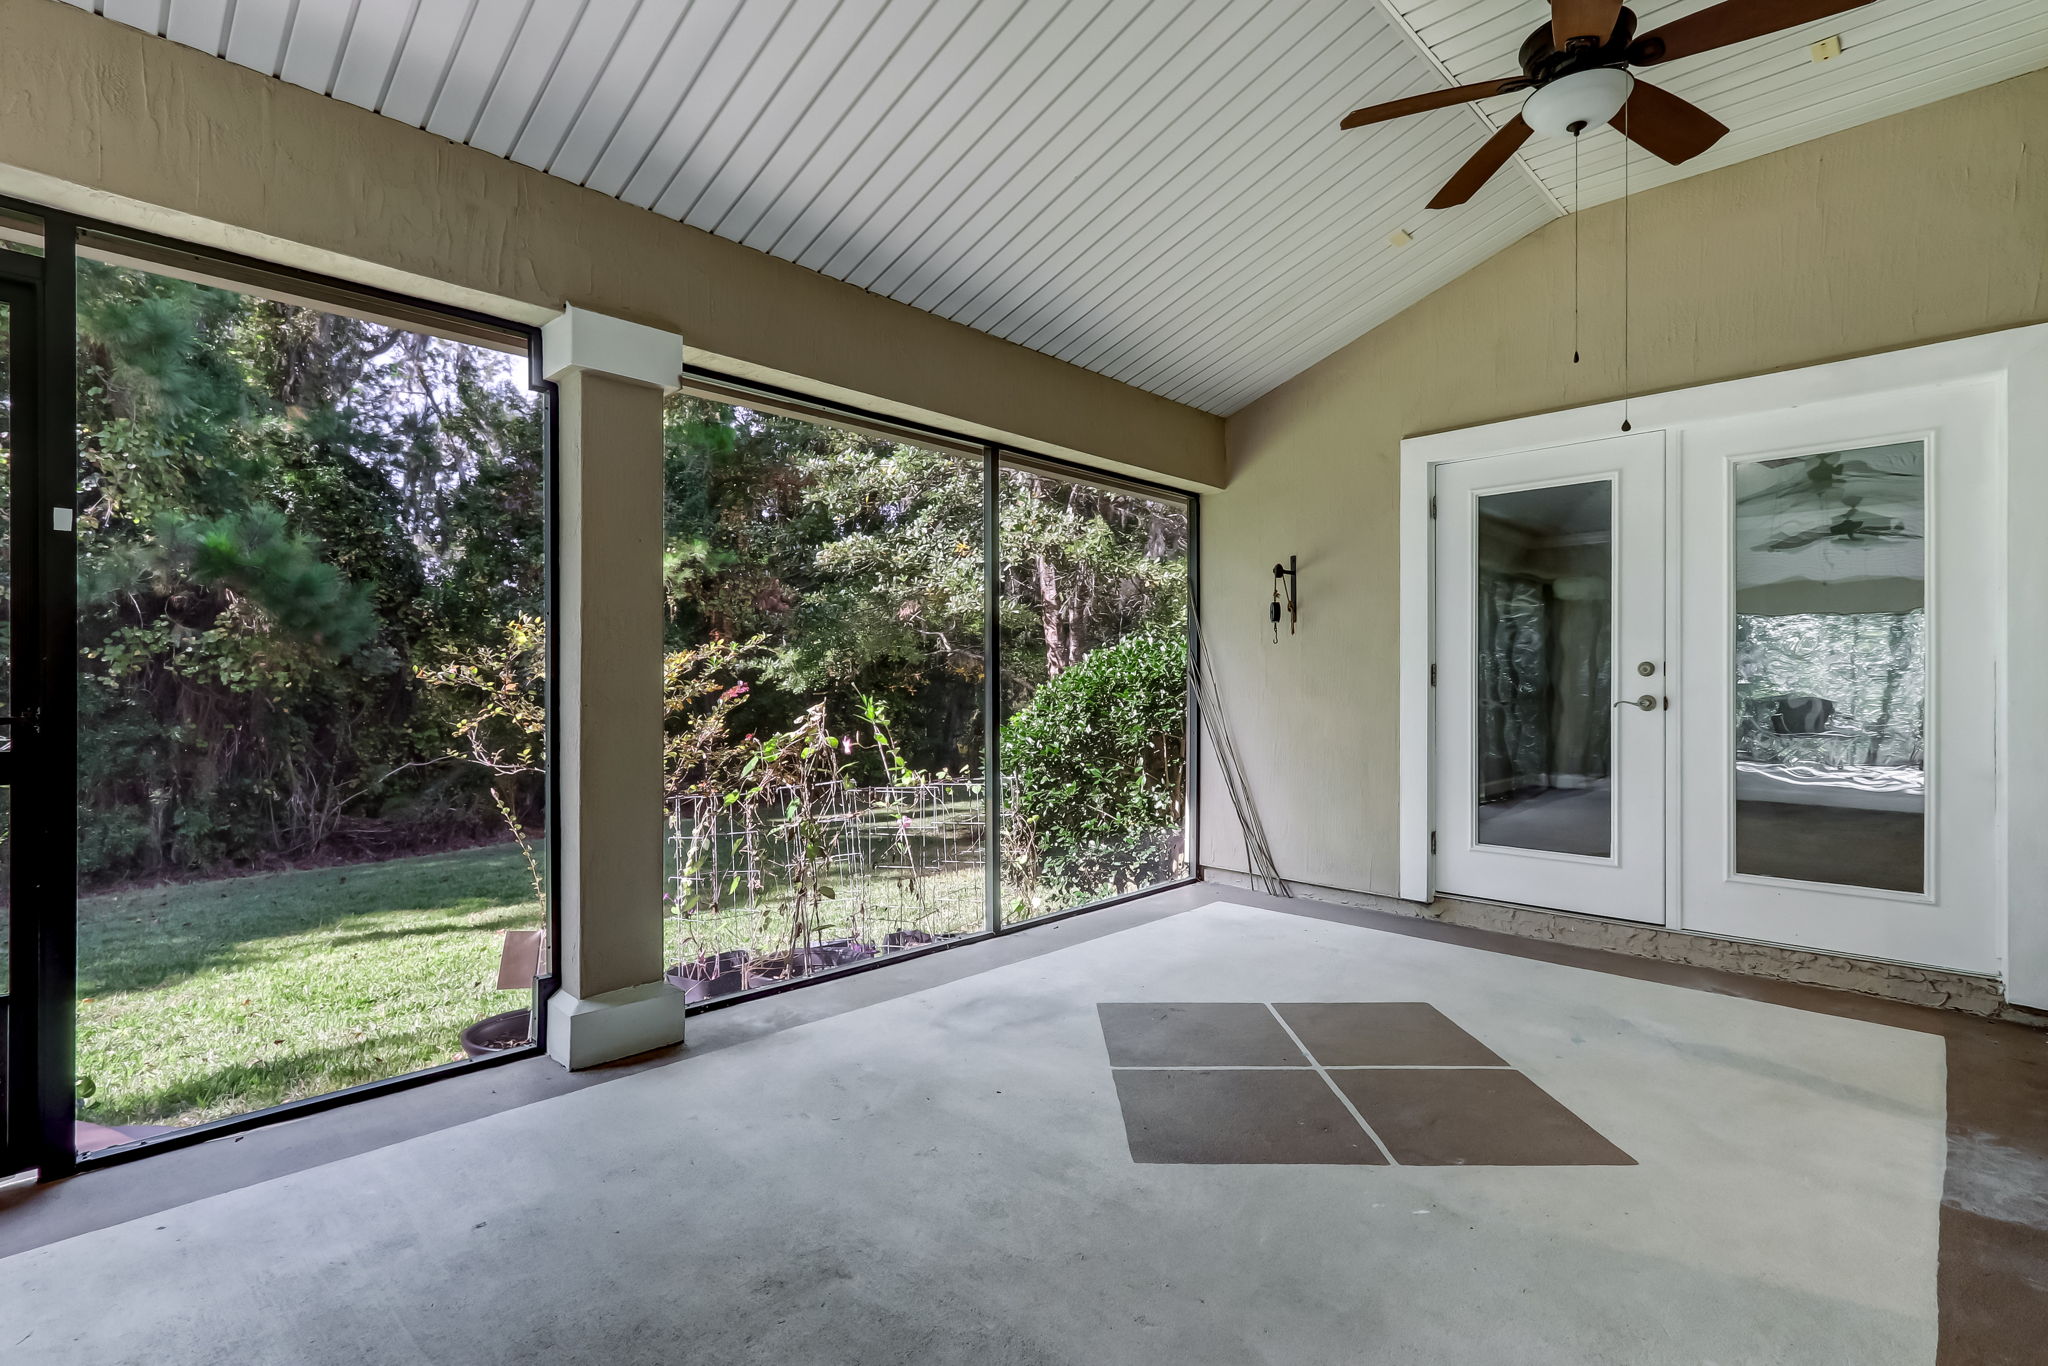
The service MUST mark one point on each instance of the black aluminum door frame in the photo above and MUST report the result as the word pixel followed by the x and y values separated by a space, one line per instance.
pixel 42 820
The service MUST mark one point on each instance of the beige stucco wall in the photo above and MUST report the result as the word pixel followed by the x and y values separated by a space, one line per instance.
pixel 1929 225
pixel 99 118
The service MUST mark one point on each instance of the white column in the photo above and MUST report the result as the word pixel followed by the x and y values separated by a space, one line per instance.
pixel 611 378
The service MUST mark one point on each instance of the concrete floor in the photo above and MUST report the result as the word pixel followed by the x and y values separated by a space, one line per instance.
pixel 945 1176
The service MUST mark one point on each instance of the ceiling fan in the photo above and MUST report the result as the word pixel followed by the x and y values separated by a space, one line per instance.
pixel 1576 70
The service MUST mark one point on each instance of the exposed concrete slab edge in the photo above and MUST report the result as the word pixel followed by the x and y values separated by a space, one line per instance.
pixel 1965 992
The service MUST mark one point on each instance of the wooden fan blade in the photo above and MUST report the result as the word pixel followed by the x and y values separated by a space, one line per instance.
pixel 1675 129
pixel 1436 99
pixel 1593 19
pixel 1732 21
pixel 1483 164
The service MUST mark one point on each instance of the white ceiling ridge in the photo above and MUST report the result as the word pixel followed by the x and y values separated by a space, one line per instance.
pixel 1407 31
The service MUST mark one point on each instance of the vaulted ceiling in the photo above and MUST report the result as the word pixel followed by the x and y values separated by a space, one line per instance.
pixel 1153 189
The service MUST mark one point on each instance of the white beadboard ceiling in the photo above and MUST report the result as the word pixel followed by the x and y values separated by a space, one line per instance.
pixel 1153 189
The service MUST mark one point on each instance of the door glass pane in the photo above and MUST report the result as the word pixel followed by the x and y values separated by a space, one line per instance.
pixel 311 589
pixel 1094 600
pixel 824 685
pixel 1544 666
pixel 6 525
pixel 1830 659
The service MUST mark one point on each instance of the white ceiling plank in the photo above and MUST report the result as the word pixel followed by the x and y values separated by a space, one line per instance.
pixel 853 220
pixel 975 107
pixel 578 66
pixel 848 103
pixel 1207 302
pixel 147 15
pixel 1039 122
pixel 1231 185
pixel 1326 182
pixel 1200 170
pixel 1253 199
pixel 647 41
pixel 371 54
pixel 697 43
pixel 315 42
pixel 1312 266
pixel 858 39
pixel 1250 351
pixel 1239 179
pixel 256 33
pixel 427 57
pixel 543 34
pixel 199 23
pixel 477 66
pixel 1342 239
pixel 943 41
pixel 765 77
pixel 1027 218
pixel 1289 339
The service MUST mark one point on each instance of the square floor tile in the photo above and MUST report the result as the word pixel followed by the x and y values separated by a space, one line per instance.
pixel 1190 1115
pixel 1474 1118
pixel 1384 1034
pixel 1216 1034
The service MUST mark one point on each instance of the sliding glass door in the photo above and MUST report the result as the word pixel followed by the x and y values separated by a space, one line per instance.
pixel 311 788
pixel 273 781
pixel 836 694
pixel 1094 603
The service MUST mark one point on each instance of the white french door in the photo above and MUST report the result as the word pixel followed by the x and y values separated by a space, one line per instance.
pixel 1550 699
pixel 1841 583
pixel 1738 677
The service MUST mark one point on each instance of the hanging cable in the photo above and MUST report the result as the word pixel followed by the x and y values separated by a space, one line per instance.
pixel 1201 677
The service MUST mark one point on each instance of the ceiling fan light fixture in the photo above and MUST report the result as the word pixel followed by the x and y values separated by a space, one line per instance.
pixel 1574 103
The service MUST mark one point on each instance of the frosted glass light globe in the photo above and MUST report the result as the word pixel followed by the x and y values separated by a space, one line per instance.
pixel 1589 98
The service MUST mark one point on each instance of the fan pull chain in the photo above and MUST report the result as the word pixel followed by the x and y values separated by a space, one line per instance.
pixel 1578 202
pixel 1625 426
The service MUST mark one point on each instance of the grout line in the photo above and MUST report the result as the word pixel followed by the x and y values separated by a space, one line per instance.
pixel 1335 1090
pixel 1313 1067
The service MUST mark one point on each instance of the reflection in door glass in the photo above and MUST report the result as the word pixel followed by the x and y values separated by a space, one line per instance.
pixel 1831 667
pixel 1543 668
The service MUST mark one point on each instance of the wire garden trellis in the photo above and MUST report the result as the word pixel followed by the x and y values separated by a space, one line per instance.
pixel 758 894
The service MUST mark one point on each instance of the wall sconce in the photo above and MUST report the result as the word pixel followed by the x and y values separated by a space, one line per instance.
pixel 1285 578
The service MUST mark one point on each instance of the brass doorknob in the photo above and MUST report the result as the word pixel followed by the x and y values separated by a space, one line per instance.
pixel 1646 702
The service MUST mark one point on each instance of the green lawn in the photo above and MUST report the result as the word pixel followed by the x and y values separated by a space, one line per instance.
pixel 217 998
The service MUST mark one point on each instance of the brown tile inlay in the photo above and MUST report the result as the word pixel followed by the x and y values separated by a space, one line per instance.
pixel 1209 1034
pixel 1471 1117
pixel 1384 1034
pixel 1222 1082
pixel 1267 1116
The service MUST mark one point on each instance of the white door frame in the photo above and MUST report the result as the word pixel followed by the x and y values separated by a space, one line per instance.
pixel 2017 360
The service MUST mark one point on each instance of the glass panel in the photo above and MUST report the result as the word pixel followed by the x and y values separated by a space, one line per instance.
pixel 1831 667
pixel 6 525
pixel 1544 668
pixel 1094 690
pixel 311 586
pixel 824 692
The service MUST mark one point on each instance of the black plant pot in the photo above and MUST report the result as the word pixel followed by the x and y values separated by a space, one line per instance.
pixel 912 939
pixel 715 974
pixel 496 1033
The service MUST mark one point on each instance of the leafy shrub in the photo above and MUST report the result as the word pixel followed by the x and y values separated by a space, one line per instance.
pixel 1098 763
